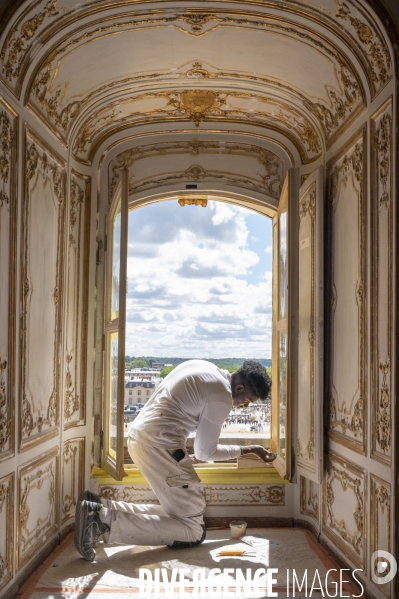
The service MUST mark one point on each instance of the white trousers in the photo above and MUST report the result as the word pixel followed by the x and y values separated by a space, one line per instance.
pixel 178 518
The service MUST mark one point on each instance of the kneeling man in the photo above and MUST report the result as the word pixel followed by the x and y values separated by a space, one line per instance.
pixel 196 396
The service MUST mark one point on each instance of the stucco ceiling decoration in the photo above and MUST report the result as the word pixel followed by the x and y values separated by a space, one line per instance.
pixel 168 64
pixel 198 105
pixel 257 169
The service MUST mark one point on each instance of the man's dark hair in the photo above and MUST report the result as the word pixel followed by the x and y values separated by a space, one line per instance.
pixel 255 378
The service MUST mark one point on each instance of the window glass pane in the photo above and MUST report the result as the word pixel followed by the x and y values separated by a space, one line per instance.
pixel 113 393
pixel 283 267
pixel 282 390
pixel 116 243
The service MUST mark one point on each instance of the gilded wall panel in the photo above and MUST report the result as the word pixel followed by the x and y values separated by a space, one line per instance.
pixel 347 326
pixel 37 502
pixel 73 469
pixel 381 283
pixel 8 225
pixel 234 495
pixel 310 498
pixel 344 507
pixel 74 404
pixel 381 522
pixel 7 502
pixel 42 230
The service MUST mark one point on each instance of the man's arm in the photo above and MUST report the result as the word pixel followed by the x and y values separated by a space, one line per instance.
pixel 206 443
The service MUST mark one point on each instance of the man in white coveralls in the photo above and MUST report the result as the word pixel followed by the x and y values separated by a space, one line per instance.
pixel 195 396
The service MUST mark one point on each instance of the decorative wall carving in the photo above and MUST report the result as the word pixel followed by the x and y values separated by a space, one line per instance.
pixel 73 470
pixel 7 528
pixel 306 327
pixel 269 181
pixel 38 504
pixel 41 279
pixel 309 498
pixel 76 304
pixel 347 377
pixel 8 225
pixel 344 505
pixel 381 282
pixel 236 495
pixel 380 521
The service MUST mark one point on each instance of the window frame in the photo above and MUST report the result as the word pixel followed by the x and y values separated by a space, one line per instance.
pixel 280 467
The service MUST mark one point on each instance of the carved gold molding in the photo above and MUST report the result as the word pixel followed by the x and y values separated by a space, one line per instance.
pixel 282 117
pixel 267 495
pixel 76 305
pixel 307 207
pixel 40 476
pixel 270 181
pixel 37 425
pixel 8 225
pixel 309 498
pixel 193 201
pixel 7 502
pixel 348 425
pixel 73 463
pixel 381 281
pixel 350 478
pixel 380 511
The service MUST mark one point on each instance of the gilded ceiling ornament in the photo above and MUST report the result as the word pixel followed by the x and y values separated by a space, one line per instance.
pixel 196 20
pixel 198 103
pixel 198 72
pixel 378 54
pixel 5 422
pixel 20 38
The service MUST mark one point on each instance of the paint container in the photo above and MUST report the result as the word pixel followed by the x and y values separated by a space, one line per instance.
pixel 238 528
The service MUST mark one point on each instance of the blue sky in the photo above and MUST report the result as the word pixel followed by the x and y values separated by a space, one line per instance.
pixel 199 281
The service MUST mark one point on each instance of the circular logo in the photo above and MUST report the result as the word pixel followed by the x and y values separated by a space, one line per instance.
pixel 383 567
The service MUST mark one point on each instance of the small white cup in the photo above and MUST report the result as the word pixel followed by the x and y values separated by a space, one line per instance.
pixel 238 529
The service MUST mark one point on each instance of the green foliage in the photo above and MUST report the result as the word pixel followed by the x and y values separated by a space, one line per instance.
pixel 165 371
pixel 269 371
pixel 229 367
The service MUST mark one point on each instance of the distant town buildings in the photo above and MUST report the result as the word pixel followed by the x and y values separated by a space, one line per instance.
pixel 140 383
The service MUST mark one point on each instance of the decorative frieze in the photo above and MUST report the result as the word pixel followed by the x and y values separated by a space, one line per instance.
pixel 7 551
pixel 344 507
pixel 347 326
pixel 42 231
pixel 215 495
pixel 37 504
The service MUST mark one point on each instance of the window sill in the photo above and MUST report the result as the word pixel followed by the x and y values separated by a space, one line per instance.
pixel 226 475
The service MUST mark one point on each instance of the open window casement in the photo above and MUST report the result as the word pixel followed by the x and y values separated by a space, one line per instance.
pixel 297 327
pixel 115 330
pixel 309 452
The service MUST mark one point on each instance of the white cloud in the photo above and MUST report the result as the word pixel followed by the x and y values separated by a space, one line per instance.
pixel 191 291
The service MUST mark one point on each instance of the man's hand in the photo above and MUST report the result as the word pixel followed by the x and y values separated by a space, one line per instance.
pixel 265 454
pixel 195 460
